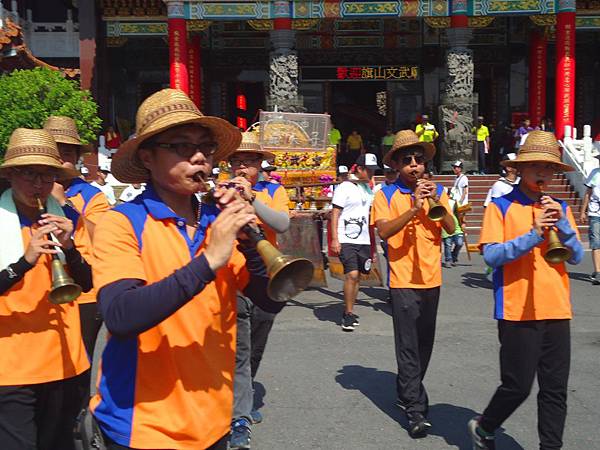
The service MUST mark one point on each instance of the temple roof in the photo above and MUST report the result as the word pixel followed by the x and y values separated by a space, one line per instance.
pixel 14 53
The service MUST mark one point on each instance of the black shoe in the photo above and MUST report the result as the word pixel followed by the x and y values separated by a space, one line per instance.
pixel 595 278
pixel 348 322
pixel 355 318
pixel 240 435
pixel 479 438
pixel 418 425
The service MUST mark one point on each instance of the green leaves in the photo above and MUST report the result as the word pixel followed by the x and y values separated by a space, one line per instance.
pixel 28 97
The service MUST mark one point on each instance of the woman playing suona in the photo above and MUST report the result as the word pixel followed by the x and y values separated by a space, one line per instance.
pixel 43 355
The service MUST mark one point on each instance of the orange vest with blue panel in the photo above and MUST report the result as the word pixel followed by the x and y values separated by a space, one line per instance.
pixel 414 252
pixel 528 287
pixel 87 204
pixel 170 386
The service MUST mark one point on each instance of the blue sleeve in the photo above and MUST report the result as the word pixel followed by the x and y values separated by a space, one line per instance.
pixel 498 254
pixel 568 236
pixel 129 307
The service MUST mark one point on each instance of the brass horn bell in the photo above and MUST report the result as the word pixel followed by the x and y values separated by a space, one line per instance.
pixel 64 289
pixel 556 252
pixel 288 276
pixel 436 210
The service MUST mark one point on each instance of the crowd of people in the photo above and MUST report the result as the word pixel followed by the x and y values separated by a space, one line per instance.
pixel 183 292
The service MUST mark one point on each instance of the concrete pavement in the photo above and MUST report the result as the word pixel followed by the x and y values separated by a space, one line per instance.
pixel 321 388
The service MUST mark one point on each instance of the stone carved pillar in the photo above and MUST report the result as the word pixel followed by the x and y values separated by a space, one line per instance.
pixel 456 110
pixel 283 62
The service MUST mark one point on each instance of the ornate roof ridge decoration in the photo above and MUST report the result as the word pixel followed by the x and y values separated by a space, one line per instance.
pixel 19 56
pixel 545 20
pixel 480 22
pixel 438 22
pixel 297 24
pixel 121 9
pixel 198 25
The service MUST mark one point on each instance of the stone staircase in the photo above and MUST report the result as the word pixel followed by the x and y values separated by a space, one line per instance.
pixel 479 186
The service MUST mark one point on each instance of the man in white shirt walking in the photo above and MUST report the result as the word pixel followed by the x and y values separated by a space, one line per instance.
pixel 591 205
pixel 101 183
pixel 350 237
pixel 460 190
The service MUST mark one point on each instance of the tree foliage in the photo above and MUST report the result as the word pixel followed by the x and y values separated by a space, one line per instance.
pixel 28 97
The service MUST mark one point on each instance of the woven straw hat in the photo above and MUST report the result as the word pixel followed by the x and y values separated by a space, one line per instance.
pixel 540 146
pixel 166 109
pixel 250 144
pixel 408 138
pixel 64 131
pixel 34 147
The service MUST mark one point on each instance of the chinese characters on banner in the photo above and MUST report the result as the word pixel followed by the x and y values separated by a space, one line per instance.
pixel 365 73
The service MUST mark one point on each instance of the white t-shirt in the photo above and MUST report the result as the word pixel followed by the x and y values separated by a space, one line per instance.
pixel 500 188
pixel 593 182
pixel 108 191
pixel 130 192
pixel 355 200
pixel 460 184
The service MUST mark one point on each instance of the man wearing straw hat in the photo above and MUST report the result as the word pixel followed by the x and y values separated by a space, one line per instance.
pixel 400 213
pixel 270 201
pixel 43 355
pixel 167 269
pixel 85 206
pixel 532 298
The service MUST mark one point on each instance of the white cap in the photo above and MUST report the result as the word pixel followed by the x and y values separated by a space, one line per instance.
pixel 457 163
pixel 265 164
pixel 370 161
pixel 216 171
pixel 342 169
pixel 104 166
pixel 511 156
pixel 84 170
pixel 386 167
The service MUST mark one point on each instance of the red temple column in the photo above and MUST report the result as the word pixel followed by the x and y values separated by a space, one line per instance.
pixel 537 77
pixel 195 70
pixel 178 54
pixel 565 68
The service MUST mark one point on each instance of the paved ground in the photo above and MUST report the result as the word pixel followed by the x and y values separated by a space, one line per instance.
pixel 321 388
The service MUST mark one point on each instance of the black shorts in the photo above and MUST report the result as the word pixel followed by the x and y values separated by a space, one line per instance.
pixel 356 257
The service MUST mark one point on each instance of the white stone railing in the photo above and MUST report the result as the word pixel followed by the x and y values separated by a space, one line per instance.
pixel 580 153
pixel 52 39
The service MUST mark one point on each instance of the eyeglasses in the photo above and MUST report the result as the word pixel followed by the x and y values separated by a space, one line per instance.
pixel 31 175
pixel 246 162
pixel 185 149
pixel 407 160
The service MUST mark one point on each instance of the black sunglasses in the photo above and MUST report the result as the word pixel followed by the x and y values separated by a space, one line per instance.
pixel 407 159
pixel 185 149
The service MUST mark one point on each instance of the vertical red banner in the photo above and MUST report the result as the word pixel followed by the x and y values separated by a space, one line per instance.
pixel 178 54
pixel 565 72
pixel 195 71
pixel 537 77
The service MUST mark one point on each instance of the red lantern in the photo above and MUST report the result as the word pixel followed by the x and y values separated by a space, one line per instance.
pixel 240 102
pixel 242 123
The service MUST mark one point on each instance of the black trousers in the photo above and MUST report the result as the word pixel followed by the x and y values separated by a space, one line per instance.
pixel 91 322
pixel 527 349
pixel 253 328
pixel 221 444
pixel 414 312
pixel 39 416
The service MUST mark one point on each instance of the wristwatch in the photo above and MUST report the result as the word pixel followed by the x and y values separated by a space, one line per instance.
pixel 11 272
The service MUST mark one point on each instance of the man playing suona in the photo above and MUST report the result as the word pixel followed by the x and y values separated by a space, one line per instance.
pixel 400 213
pixel 167 269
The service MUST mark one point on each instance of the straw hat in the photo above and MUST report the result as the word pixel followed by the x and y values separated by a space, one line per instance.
pixel 408 138
pixel 64 131
pixel 540 146
pixel 250 144
pixel 166 109
pixel 34 147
